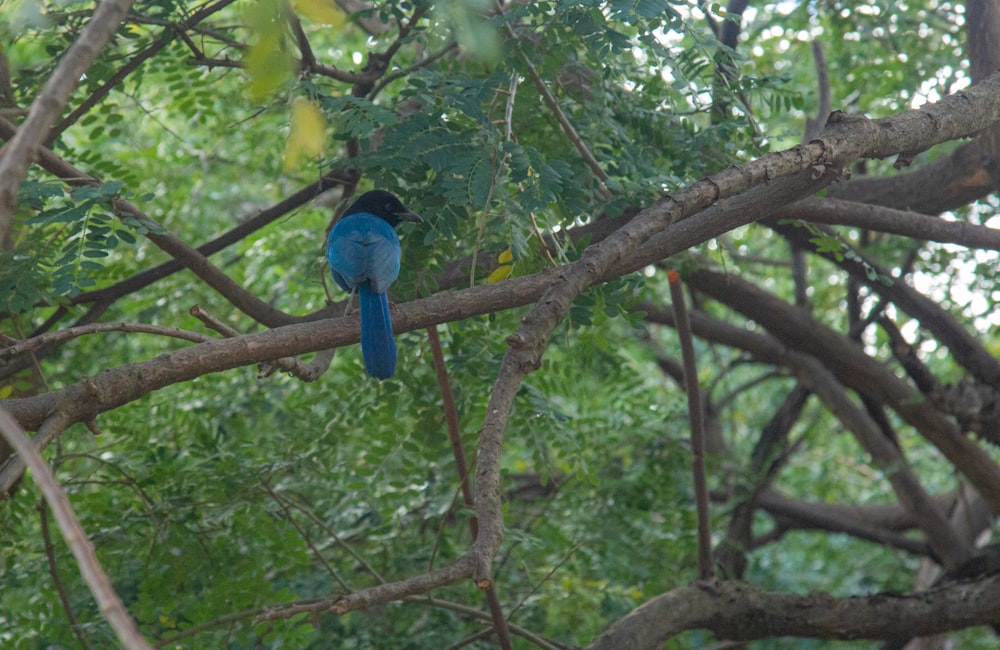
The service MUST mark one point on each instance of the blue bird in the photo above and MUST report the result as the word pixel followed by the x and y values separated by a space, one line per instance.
pixel 363 252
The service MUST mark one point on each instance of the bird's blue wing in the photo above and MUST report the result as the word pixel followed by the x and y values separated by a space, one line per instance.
pixel 383 262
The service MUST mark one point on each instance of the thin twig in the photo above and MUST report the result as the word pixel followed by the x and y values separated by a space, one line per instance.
pixel 50 555
pixel 29 345
pixel 402 72
pixel 451 419
pixel 706 570
pixel 168 35
pixel 454 434
pixel 567 127
pixel 471 612
pixel 508 134
pixel 303 534
pixel 76 538
pixel 228 619
pixel 325 527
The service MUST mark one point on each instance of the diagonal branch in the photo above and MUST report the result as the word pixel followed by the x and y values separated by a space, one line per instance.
pixel 793 174
pixel 18 153
pixel 967 349
pixel 76 538
pixel 906 223
pixel 197 263
pixel 851 367
pixel 168 35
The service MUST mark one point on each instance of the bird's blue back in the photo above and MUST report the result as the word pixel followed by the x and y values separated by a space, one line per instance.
pixel 363 248
pixel 363 252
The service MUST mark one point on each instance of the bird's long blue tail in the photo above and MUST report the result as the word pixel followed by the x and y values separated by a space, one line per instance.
pixel 378 347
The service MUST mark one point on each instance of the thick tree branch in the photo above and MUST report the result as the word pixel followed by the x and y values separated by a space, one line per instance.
pixel 649 236
pixel 914 225
pixel 851 367
pixel 792 174
pixel 871 523
pixel 740 612
pixel 500 626
pixel 969 173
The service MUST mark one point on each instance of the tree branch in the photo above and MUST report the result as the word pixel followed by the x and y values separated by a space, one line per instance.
pixel 967 349
pixel 851 367
pixel 168 35
pixel 197 263
pixel 34 343
pixel 706 567
pixel 741 612
pixel 905 223
pixel 83 550
pixel 18 153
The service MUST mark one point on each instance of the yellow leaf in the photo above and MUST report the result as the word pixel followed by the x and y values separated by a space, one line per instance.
pixel 320 12
pixel 506 260
pixel 268 62
pixel 499 273
pixel 269 66
pixel 307 135
pixel 168 621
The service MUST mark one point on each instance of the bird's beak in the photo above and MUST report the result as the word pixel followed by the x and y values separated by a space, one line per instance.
pixel 410 215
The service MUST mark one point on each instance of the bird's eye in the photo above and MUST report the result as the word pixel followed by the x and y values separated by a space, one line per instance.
pixel 388 207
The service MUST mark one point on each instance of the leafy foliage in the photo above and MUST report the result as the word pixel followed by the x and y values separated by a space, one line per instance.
pixel 211 500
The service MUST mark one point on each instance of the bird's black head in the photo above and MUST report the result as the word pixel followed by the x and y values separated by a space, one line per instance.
pixel 385 205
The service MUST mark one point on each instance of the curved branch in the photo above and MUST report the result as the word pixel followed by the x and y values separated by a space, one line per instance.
pixel 36 342
pixel 914 225
pixel 741 612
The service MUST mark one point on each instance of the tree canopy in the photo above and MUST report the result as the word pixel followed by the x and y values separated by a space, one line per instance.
pixel 697 341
